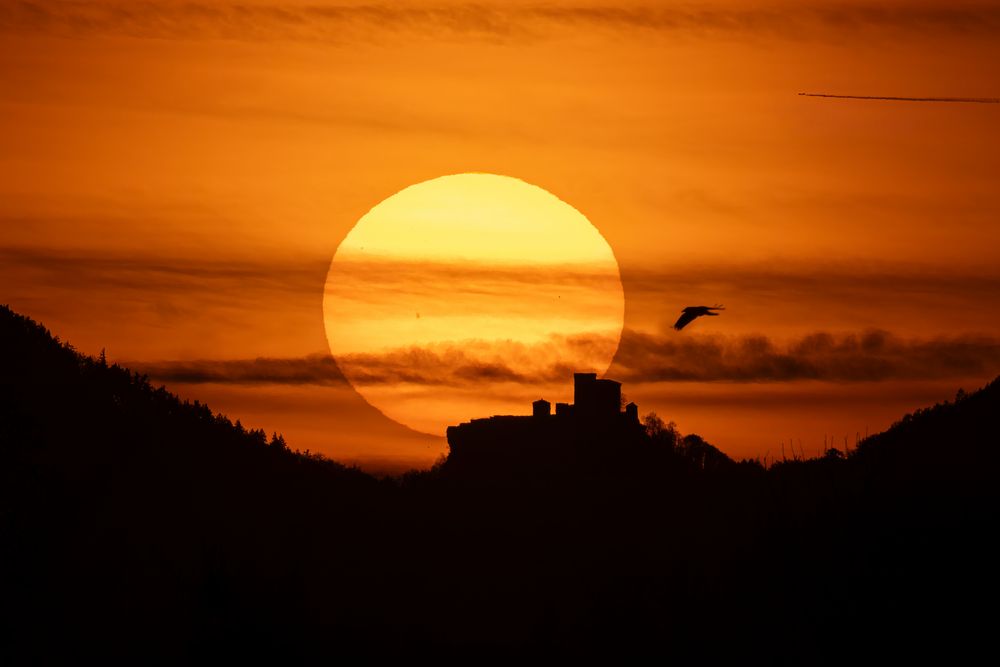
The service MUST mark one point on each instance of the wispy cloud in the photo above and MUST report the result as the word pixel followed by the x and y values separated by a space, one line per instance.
pixel 867 356
pixel 834 357
pixel 849 279
pixel 342 22
pixel 466 363
pixel 778 286
pixel 316 369
pixel 150 272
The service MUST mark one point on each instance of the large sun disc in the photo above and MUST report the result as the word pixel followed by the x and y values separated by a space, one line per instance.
pixel 470 295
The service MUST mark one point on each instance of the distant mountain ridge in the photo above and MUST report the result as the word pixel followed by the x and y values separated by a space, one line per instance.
pixel 136 526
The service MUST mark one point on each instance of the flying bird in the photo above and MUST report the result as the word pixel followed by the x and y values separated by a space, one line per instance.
pixel 691 313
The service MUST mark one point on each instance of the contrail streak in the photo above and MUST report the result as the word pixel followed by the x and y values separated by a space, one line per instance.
pixel 967 100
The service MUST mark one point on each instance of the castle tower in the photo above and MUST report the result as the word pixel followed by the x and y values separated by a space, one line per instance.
pixel 541 408
pixel 596 399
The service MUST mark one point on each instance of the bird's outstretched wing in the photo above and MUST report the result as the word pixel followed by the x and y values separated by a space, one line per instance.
pixel 692 313
pixel 686 318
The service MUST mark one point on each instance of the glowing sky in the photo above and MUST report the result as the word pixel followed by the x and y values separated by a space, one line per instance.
pixel 175 178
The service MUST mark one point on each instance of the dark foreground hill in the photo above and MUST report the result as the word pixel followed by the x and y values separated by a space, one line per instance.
pixel 137 526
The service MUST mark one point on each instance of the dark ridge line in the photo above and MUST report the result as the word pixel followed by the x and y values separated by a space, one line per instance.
pixel 967 100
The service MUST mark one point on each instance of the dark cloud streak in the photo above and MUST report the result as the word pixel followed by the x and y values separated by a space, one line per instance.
pixel 333 22
pixel 316 369
pixel 869 356
pixel 147 271
pixel 151 273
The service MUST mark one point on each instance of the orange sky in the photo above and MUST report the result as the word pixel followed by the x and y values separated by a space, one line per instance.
pixel 176 176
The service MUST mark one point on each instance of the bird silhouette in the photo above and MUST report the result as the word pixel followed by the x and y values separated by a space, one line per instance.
pixel 691 313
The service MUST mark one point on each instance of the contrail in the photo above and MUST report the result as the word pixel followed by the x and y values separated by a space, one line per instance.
pixel 967 100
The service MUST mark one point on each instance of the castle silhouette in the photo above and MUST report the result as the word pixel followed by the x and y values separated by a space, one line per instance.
pixel 595 416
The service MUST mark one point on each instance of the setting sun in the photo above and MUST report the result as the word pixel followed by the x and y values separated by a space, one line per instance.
pixel 478 283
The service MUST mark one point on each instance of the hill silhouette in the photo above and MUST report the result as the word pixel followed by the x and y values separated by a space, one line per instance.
pixel 135 525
